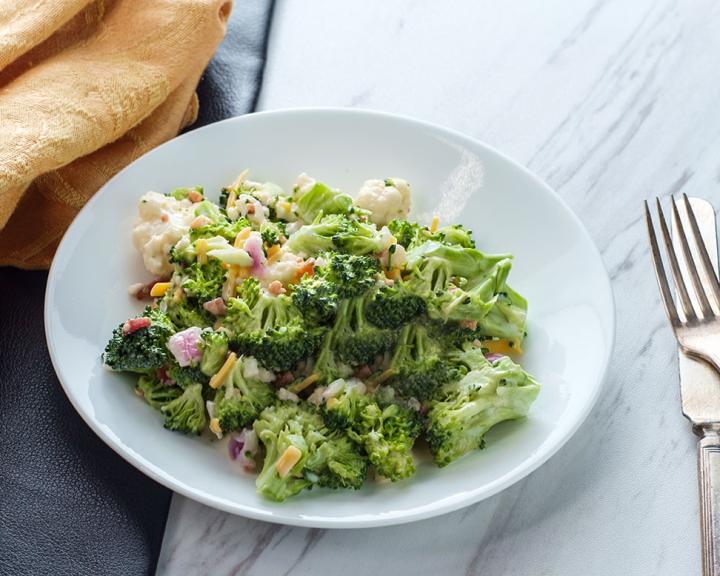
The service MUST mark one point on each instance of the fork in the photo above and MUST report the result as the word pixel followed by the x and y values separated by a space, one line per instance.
pixel 696 325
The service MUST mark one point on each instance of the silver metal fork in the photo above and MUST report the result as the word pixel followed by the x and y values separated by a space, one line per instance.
pixel 696 325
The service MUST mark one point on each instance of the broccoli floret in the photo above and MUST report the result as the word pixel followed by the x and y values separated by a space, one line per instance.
pixel 321 199
pixel 271 232
pixel 185 312
pixel 186 376
pixel 182 193
pixel 386 431
pixel 239 399
pixel 507 317
pixel 407 233
pixel 214 345
pixel 455 234
pixel 457 283
pixel 322 457
pixel 187 412
pixel 356 341
pixel 336 232
pixel 337 463
pixel 340 276
pixel 465 409
pixel 203 282
pixel 316 298
pixel 271 329
pixel 342 410
pixel 221 227
pixel 387 435
pixel 417 367
pixel 394 306
pixel 143 350
pixel 155 392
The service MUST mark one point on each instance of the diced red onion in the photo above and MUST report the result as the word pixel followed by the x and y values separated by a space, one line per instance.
pixel 185 346
pixel 493 357
pixel 254 247
pixel 242 447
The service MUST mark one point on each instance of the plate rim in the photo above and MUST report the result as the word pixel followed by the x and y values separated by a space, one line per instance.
pixel 417 513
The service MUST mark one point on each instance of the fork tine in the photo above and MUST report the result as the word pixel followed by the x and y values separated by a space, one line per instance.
pixel 711 279
pixel 682 292
pixel 665 293
pixel 691 267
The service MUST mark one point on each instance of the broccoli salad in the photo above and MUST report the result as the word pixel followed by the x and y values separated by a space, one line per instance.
pixel 321 336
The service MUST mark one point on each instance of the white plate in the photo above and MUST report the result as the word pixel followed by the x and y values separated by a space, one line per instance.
pixel 557 267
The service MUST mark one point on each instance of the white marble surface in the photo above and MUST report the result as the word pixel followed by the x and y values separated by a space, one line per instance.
pixel 610 101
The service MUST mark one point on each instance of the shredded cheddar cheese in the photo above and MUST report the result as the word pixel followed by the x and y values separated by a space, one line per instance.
pixel 215 427
pixel 503 346
pixel 242 236
pixel 201 248
pixel 289 458
pixel 218 378
pixel 300 386
pixel 159 289
pixel 434 224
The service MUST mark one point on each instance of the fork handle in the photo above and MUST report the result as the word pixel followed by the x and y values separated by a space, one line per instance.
pixel 709 478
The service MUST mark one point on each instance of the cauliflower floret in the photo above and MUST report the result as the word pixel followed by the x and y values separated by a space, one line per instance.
pixel 283 268
pixel 163 221
pixel 303 183
pixel 385 199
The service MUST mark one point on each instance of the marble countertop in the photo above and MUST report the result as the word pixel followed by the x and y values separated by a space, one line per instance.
pixel 610 102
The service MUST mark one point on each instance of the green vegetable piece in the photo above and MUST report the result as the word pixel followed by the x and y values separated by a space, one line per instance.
pixel 465 410
pixel 142 351
pixel 321 199
pixel 186 413
pixel 155 392
pixel 214 348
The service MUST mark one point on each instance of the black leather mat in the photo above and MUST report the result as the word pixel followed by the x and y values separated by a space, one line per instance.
pixel 69 504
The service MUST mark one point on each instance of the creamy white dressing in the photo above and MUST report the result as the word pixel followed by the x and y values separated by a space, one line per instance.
pixel 162 221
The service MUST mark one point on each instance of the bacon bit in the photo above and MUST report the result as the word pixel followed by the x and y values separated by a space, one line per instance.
pixel 163 375
pixel 164 217
pixel 250 208
pixel 216 307
pixel 242 236
pixel 200 221
pixel 363 372
pixel 276 287
pixel 285 378
pixel 389 282
pixel 194 196
pixel 472 324
pixel 135 324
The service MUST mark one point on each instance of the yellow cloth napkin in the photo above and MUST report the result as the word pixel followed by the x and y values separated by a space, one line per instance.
pixel 85 88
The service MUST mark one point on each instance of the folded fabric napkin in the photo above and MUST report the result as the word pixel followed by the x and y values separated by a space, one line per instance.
pixel 85 88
